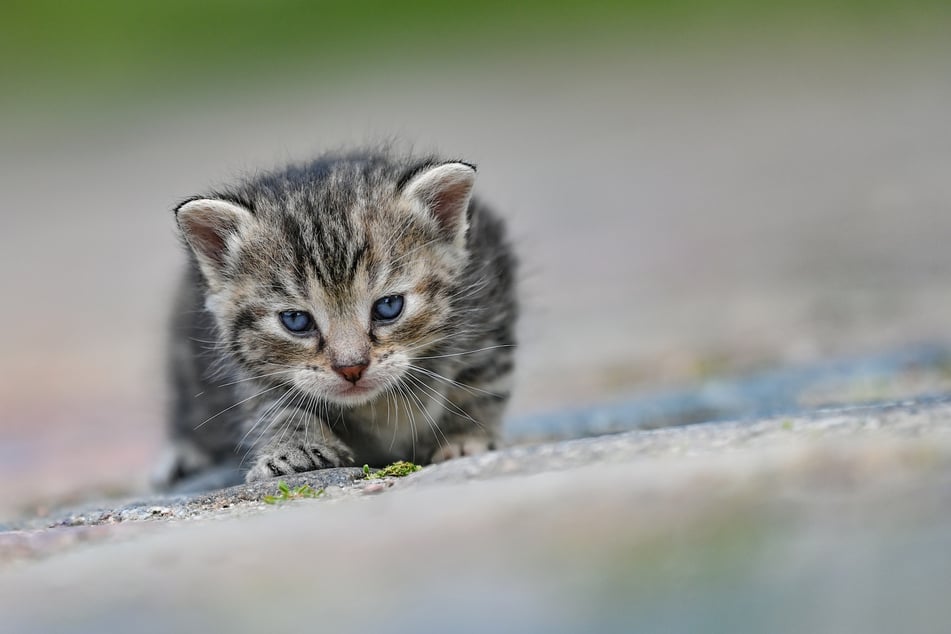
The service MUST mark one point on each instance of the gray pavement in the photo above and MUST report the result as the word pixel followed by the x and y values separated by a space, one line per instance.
pixel 831 522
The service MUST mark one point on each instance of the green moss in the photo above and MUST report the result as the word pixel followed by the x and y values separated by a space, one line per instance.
pixel 396 470
pixel 285 493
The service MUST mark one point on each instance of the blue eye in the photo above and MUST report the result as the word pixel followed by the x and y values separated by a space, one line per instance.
pixel 388 308
pixel 298 322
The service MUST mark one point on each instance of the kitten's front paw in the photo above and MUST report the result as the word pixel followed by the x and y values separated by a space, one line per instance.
pixel 287 459
pixel 458 446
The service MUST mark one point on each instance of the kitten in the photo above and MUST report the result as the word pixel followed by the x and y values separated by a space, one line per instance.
pixel 358 309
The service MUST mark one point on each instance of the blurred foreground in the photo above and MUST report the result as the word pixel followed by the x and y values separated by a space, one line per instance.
pixel 833 523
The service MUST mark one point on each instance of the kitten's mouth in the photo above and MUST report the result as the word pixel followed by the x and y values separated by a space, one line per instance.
pixel 353 390
pixel 356 394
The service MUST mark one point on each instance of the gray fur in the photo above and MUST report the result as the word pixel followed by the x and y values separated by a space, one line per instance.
pixel 329 237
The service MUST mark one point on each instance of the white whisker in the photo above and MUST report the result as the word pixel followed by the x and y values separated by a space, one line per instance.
pixel 255 378
pixel 459 354
pixel 265 391
pixel 468 388
pixel 437 432
pixel 447 405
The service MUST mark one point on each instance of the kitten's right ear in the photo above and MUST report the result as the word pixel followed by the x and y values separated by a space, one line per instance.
pixel 212 228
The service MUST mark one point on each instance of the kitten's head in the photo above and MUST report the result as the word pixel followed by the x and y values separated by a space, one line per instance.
pixel 331 277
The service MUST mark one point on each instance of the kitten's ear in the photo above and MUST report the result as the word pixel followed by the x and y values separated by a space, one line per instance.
pixel 212 228
pixel 445 190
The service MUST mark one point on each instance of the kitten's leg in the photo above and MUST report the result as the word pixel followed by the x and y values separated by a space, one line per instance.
pixel 179 460
pixel 475 433
pixel 458 445
pixel 301 442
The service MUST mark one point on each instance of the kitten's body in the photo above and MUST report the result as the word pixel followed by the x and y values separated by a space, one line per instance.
pixel 326 240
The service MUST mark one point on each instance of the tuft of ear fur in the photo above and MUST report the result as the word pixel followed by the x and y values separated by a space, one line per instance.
pixel 444 190
pixel 211 228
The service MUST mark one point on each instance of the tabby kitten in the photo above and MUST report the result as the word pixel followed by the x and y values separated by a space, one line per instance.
pixel 356 309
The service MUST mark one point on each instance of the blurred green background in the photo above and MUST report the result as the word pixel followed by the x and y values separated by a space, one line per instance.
pixel 80 57
pixel 695 188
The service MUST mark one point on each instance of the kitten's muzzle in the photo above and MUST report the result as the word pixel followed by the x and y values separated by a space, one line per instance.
pixel 351 373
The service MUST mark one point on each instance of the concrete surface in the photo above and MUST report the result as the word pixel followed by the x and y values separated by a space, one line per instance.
pixel 834 522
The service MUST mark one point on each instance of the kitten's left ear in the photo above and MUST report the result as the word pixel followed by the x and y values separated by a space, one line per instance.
pixel 445 190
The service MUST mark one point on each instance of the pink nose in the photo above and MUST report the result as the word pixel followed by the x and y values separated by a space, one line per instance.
pixel 351 373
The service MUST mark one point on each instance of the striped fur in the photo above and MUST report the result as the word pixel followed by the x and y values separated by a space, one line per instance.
pixel 331 237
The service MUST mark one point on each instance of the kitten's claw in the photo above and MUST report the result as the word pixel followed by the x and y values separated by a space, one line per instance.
pixel 458 446
pixel 287 459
